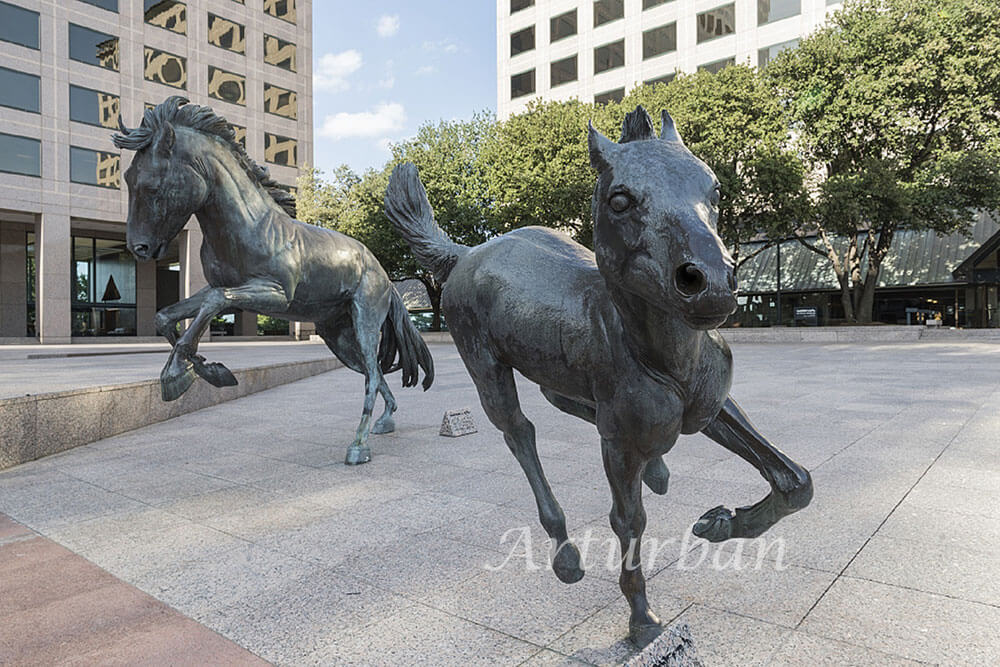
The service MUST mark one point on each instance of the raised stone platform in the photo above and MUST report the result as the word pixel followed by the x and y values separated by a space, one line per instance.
pixel 54 398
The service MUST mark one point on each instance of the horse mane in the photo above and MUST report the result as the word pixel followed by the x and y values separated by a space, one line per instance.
pixel 638 126
pixel 176 111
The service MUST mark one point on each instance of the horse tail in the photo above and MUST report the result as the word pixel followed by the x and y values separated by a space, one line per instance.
pixel 401 339
pixel 407 207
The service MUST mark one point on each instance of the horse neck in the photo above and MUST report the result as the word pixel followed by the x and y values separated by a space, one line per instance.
pixel 658 339
pixel 236 206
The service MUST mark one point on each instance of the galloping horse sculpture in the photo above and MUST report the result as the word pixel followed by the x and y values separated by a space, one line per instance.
pixel 625 339
pixel 256 257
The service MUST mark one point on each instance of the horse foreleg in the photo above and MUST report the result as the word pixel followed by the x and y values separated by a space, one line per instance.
pixel 628 521
pixel 791 484
pixel 167 318
pixel 656 477
pixel 185 363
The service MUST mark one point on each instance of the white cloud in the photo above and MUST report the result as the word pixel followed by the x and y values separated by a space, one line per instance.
pixel 389 80
pixel 441 46
pixel 388 25
pixel 425 70
pixel 334 68
pixel 384 119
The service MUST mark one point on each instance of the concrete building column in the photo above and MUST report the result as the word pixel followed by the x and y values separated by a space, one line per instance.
pixel 13 276
pixel 192 276
pixel 246 324
pixel 145 298
pixel 55 254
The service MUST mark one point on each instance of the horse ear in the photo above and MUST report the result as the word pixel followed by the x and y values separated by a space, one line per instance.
pixel 601 149
pixel 669 130
pixel 165 142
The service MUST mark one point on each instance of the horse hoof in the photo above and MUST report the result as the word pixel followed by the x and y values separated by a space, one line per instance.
pixel 384 426
pixel 358 455
pixel 566 563
pixel 715 525
pixel 216 374
pixel 643 635
pixel 657 476
pixel 173 386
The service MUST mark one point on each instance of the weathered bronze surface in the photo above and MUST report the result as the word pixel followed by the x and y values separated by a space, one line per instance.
pixel 256 257
pixel 623 337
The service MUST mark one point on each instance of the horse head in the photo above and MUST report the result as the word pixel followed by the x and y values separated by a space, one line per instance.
pixel 655 211
pixel 164 187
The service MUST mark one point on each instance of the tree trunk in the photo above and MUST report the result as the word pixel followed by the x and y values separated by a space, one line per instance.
pixel 434 290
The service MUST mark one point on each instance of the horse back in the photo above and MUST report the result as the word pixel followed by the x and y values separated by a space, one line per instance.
pixel 536 298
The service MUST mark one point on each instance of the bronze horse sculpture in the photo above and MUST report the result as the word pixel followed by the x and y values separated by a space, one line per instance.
pixel 256 257
pixel 623 337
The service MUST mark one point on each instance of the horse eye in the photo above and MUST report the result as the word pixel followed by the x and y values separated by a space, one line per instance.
pixel 716 196
pixel 620 203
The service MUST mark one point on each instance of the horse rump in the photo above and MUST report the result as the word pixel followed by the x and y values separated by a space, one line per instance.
pixel 402 347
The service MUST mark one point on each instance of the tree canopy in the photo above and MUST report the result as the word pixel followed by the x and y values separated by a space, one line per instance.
pixel 896 109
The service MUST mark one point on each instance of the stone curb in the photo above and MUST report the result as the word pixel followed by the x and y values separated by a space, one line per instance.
pixel 35 426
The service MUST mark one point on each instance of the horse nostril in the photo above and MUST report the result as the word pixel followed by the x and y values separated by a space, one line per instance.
pixel 140 249
pixel 690 280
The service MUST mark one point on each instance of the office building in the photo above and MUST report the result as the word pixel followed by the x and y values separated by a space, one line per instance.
pixel 67 69
pixel 596 51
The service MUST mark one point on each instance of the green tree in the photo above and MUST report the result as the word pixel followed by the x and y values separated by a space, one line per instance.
pixel 896 105
pixel 735 124
pixel 536 168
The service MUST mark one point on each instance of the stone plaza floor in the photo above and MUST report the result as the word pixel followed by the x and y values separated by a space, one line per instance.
pixel 243 518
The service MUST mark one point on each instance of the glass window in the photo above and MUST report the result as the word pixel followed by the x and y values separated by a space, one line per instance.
pixel 227 86
pixel 93 107
pixel 716 22
pixel 563 71
pixel 241 134
pixel 19 90
pixel 110 5
pixel 280 101
pixel 280 53
pixel 715 66
pixel 93 47
pixel 562 26
pixel 91 167
pixel 518 5
pixel 20 155
pixel 609 56
pixel 667 78
pixel 30 274
pixel 227 34
pixel 282 9
pixel 281 150
pixel 167 14
pixel 165 68
pixel 606 11
pixel 18 25
pixel 522 84
pixel 764 56
pixel 646 4
pixel 775 10
pixel 659 41
pixel 616 95
pixel 104 288
pixel 522 40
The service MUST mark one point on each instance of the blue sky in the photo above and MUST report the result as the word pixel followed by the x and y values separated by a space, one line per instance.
pixel 383 68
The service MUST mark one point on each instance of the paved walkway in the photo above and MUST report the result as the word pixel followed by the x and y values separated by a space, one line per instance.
pixel 243 518
pixel 38 369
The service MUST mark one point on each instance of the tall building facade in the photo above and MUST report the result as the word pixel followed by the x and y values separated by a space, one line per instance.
pixel 67 69
pixel 597 50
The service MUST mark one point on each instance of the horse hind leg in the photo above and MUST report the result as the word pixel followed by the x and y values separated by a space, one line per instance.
pixel 656 476
pixel 791 484
pixel 498 394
